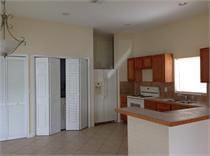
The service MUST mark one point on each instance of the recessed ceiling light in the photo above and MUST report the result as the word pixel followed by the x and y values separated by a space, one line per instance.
pixel 65 13
pixel 128 24
pixel 96 1
pixel 183 3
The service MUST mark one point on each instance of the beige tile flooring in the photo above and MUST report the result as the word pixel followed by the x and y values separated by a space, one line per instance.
pixel 106 139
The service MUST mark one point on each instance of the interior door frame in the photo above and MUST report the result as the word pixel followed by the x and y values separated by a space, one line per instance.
pixel 33 87
pixel 27 98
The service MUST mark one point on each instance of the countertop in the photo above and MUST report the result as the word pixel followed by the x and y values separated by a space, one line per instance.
pixel 170 118
pixel 170 101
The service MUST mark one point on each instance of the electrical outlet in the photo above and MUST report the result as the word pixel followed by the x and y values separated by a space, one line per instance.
pixel 165 89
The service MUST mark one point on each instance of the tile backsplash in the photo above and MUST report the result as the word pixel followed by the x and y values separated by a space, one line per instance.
pixel 167 90
pixel 126 88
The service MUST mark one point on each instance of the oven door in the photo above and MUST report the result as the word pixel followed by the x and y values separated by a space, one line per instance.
pixel 136 103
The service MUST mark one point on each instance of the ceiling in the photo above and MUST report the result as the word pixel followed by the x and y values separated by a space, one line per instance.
pixel 107 15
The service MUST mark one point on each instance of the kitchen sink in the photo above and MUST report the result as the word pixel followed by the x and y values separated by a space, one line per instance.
pixel 178 101
pixel 184 102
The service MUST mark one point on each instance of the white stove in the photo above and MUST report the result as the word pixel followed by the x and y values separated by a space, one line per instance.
pixel 145 93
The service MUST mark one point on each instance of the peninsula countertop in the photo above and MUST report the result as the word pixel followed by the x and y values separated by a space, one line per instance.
pixel 170 118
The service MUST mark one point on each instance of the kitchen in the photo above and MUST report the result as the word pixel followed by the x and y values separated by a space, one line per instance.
pixel 171 75
pixel 133 79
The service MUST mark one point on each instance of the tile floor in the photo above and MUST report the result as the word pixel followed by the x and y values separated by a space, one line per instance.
pixel 106 139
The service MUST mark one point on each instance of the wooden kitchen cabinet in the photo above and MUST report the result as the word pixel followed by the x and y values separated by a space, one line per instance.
pixel 152 105
pixel 204 64
pixel 162 66
pixel 163 107
pixel 138 63
pixel 177 107
pixel 131 69
pixel 123 103
pixel 146 62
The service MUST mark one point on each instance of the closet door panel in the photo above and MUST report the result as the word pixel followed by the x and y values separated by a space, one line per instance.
pixel 55 103
pixel 72 94
pixel 83 93
pixel 16 96
pixel 42 96
pixel 3 108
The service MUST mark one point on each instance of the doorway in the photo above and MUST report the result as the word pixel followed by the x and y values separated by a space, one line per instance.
pixel 61 94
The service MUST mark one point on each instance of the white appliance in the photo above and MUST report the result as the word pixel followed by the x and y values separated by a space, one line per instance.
pixel 145 92
pixel 48 104
pixel 13 98
pixel 105 95
pixel 76 94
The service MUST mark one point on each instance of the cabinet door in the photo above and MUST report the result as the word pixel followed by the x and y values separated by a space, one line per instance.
pixel 163 107
pixel 131 69
pixel 177 107
pixel 158 66
pixel 204 60
pixel 152 105
pixel 123 103
pixel 138 62
pixel 168 68
pixel 147 62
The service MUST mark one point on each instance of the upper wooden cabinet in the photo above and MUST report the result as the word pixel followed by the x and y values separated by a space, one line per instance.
pixel 131 69
pixel 204 60
pixel 146 62
pixel 162 66
pixel 138 63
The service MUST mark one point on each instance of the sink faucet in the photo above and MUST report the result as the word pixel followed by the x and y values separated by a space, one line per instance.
pixel 185 98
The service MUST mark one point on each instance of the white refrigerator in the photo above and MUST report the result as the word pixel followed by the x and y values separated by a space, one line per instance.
pixel 105 95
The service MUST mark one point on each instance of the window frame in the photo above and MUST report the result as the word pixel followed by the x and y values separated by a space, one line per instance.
pixel 187 92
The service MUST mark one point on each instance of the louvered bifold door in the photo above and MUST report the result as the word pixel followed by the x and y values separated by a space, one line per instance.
pixel 16 96
pixel 42 96
pixel 3 108
pixel 72 94
pixel 55 100
pixel 83 93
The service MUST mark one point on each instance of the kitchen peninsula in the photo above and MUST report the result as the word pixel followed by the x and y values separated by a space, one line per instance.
pixel 171 133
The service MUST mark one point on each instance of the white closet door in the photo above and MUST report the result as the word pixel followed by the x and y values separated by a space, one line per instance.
pixel 3 108
pixel 83 93
pixel 16 97
pixel 42 96
pixel 72 94
pixel 55 102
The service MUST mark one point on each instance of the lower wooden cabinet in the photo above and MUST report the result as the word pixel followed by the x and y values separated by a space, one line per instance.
pixel 164 107
pixel 123 103
pixel 152 105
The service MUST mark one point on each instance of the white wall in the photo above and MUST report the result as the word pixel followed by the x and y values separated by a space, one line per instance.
pixel 122 50
pixel 54 39
pixel 183 38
